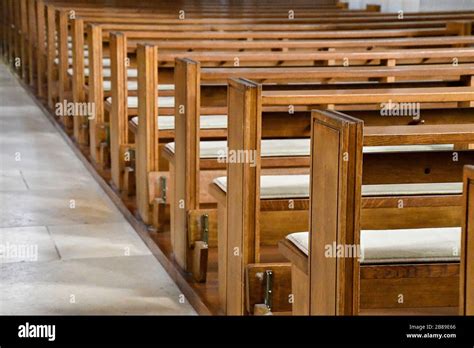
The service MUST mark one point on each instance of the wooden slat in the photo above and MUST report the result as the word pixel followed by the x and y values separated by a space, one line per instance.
pixel 186 188
pixel 96 92
pixel 78 78
pixel 434 94
pixel 336 174
pixel 118 122
pixel 466 298
pixel 147 157
pixel 243 205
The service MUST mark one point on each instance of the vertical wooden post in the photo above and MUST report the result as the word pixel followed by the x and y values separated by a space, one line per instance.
pixel 186 184
pixel 5 24
pixel 63 54
pixel 391 63
pixel 147 134
pixel 468 80
pixel 51 18
pixel 16 28
pixel 335 198
pixel 11 42
pixel 32 36
pixel 40 47
pixel 96 91
pixel 118 122
pixel 17 33
pixel 63 61
pixel 466 293
pixel 23 35
pixel 243 188
pixel 8 25
pixel 78 78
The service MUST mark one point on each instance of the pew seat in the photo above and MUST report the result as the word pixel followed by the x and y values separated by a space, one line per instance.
pixel 400 245
pixel 131 73
pixel 297 186
pixel 164 102
pixel 207 122
pixel 105 61
pixel 133 86
pixel 70 54
pixel 300 147
pixel 270 148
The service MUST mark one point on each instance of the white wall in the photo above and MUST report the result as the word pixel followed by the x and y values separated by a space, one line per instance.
pixel 414 5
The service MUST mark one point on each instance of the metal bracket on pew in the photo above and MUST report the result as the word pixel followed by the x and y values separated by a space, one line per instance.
pixel 265 308
pixel 102 140
pixel 268 289
pixel 201 251
pixel 162 187
pixel 159 214
pixel 83 137
pixel 205 227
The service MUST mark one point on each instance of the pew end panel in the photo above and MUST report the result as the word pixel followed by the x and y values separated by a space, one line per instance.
pixel 466 301
pixel 186 181
pixel 147 154
pixel 243 205
pixel 336 178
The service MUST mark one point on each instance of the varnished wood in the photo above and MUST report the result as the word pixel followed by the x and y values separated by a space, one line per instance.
pixel 466 300
pixel 147 155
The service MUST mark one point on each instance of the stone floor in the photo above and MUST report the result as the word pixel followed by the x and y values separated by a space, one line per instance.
pixel 64 246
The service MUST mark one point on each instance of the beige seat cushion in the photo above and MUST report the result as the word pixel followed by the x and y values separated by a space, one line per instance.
pixel 107 73
pixel 105 61
pixel 163 102
pixel 270 148
pixel 69 45
pixel 413 189
pixel 207 122
pixel 133 86
pixel 297 186
pixel 277 186
pixel 301 147
pixel 399 246
pixel 86 52
pixel 408 148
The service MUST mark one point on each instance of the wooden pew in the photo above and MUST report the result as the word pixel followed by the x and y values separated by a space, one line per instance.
pixel 92 74
pixel 96 94
pixel 58 21
pixel 466 301
pixel 36 16
pixel 78 78
pixel 63 19
pixel 24 38
pixel 320 56
pixel 249 94
pixel 190 183
pixel 69 8
pixel 450 27
pixel 360 286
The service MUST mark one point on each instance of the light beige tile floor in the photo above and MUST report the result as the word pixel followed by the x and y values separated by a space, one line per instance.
pixel 64 246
